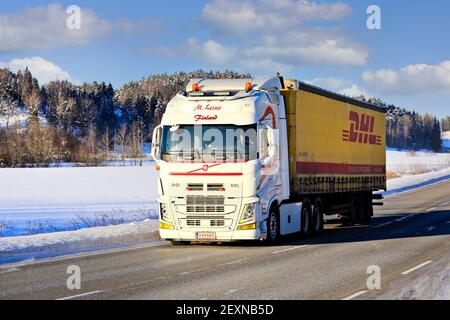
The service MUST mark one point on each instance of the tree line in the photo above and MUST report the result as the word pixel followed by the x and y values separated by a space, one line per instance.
pixel 409 130
pixel 85 123
pixel 88 123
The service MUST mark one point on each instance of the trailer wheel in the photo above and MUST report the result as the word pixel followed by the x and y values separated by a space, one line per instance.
pixel 354 210
pixel 367 209
pixel 306 218
pixel 317 216
pixel 273 227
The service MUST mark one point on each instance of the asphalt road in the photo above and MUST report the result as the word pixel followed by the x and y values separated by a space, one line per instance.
pixel 409 242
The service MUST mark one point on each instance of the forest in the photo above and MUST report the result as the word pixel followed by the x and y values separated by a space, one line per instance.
pixel 62 122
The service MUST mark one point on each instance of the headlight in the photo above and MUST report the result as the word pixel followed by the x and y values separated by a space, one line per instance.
pixel 248 214
pixel 164 212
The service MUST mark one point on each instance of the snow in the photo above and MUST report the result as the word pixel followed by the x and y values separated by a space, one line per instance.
pixel 26 248
pixel 446 140
pixel 407 183
pixel 20 119
pixel 403 163
pixel 37 200
pixel 409 170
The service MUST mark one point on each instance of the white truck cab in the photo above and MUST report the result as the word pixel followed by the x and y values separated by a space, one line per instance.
pixel 222 155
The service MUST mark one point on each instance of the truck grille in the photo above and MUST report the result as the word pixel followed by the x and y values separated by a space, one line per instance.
pixel 206 223
pixel 193 223
pixel 217 223
pixel 205 200
pixel 205 204
pixel 215 187
pixel 195 187
pixel 205 209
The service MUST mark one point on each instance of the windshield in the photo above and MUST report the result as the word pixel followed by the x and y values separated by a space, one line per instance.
pixel 209 143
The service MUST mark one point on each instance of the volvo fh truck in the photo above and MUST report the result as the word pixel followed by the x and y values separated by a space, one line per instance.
pixel 257 159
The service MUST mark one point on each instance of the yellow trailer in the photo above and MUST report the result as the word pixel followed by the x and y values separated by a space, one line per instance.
pixel 336 144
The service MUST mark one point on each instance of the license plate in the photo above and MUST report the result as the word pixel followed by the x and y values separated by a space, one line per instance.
pixel 205 235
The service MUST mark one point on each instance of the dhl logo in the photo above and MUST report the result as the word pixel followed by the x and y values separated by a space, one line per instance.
pixel 361 129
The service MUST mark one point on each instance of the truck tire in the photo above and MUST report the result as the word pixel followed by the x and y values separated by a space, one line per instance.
pixel 367 209
pixel 273 227
pixel 317 216
pixel 353 211
pixel 306 218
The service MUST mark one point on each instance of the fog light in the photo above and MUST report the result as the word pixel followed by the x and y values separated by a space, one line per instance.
pixel 163 225
pixel 251 226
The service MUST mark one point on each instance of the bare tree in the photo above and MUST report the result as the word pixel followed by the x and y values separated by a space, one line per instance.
pixel 33 102
pixel 120 139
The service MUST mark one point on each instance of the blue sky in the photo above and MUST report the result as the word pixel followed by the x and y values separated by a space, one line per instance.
pixel 327 43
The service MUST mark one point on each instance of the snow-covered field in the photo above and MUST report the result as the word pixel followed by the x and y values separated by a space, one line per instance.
pixel 405 163
pixel 43 200
pixel 20 119
pixel 446 140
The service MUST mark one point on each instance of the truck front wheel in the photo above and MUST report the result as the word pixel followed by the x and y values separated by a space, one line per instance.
pixel 273 227
pixel 306 218
pixel 317 216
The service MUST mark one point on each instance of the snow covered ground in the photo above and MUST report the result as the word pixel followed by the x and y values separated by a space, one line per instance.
pixel 446 140
pixel 405 163
pixel 47 245
pixel 39 200
pixel 20 119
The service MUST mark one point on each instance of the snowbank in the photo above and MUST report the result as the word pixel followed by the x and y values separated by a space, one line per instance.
pixel 40 200
pixel 14 249
pixel 413 182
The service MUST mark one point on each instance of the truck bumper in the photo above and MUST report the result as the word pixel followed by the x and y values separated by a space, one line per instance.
pixel 225 236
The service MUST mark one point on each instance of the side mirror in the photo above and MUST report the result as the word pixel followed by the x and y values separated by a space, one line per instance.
pixel 156 143
pixel 267 141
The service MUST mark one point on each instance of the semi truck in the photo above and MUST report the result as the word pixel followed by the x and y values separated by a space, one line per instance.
pixel 261 158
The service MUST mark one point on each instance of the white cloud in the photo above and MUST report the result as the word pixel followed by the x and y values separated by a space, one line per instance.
pixel 413 79
pixel 43 70
pixel 323 46
pixel 342 86
pixel 237 16
pixel 45 27
pixel 210 51
pixel 282 53
pixel 269 36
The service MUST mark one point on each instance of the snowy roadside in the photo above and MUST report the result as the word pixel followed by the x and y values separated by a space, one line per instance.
pixel 48 245
pixel 408 183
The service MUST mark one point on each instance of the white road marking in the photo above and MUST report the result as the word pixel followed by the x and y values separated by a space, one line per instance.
pixel 81 295
pixel 232 291
pixel 417 267
pixel 353 296
pixel 10 270
pixel 289 249
pixel 406 217
pixel 444 204
pixel 236 261
pixel 383 224
pixel 431 209
pixel 409 216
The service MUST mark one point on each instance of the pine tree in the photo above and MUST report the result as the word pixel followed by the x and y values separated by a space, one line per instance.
pixel 436 138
